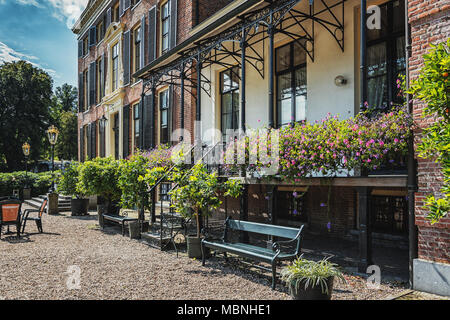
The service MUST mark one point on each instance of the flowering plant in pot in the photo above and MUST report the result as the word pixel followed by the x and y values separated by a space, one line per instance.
pixel 196 193
pixel 68 185
pixel 311 280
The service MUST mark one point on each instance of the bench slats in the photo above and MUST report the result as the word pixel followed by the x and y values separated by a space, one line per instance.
pixel 261 228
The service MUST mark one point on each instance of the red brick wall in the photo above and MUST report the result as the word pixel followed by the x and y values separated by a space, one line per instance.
pixel 430 23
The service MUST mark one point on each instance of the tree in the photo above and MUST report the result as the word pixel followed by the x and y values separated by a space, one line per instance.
pixel 67 96
pixel 25 93
pixel 67 145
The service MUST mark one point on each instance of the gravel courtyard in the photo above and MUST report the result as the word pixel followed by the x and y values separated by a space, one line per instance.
pixel 115 267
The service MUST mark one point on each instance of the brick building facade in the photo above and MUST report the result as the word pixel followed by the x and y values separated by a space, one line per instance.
pixel 429 23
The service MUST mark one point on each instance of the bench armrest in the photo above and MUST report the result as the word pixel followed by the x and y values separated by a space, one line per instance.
pixel 276 246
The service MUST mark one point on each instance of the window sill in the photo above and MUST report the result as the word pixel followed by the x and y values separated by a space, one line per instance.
pixel 132 8
pixel 134 84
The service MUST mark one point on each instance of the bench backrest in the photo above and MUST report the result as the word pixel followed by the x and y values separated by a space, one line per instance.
pixel 261 228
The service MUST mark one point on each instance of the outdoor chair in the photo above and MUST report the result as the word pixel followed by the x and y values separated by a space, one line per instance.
pixel 37 219
pixel 10 214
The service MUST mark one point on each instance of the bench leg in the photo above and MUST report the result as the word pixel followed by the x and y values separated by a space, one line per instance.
pixel 123 228
pixel 225 256
pixel 274 274
pixel 203 254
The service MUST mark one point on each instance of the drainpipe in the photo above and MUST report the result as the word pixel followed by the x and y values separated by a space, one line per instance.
pixel 412 166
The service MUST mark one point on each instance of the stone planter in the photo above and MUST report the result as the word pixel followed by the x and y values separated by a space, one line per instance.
pixel 134 229
pixel 194 248
pixel 52 207
pixel 311 293
pixel 79 207
pixel 26 193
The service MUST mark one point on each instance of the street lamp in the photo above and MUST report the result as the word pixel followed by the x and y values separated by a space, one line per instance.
pixel 26 152
pixel 52 134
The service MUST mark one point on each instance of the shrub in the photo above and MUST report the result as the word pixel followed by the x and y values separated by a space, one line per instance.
pixel 68 182
pixel 39 182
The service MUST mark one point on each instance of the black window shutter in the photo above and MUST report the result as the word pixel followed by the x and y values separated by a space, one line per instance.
pixel 126 4
pixel 102 75
pixel 93 140
pixel 173 23
pixel 81 144
pixel 126 131
pixel 80 48
pixel 92 83
pixel 80 93
pixel 126 58
pixel 152 34
pixel 121 10
pixel 148 122
pixel 108 18
pixel 142 45
pixel 89 141
pixel 92 36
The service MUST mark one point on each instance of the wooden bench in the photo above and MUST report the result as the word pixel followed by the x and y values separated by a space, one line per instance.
pixel 120 219
pixel 278 252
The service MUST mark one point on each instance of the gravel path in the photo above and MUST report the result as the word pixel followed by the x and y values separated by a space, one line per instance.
pixel 39 266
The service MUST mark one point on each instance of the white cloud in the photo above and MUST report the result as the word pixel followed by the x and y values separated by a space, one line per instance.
pixel 8 54
pixel 70 10
pixel 63 10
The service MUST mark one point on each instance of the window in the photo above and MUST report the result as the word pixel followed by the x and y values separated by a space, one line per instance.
pixel 386 57
pixel 115 13
pixel 86 90
pixel 85 46
pixel 98 80
pixel 100 31
pixel 134 2
pixel 229 95
pixel 137 38
pixel 389 214
pixel 291 208
pixel 164 116
pixel 115 66
pixel 165 27
pixel 137 130
pixel 291 83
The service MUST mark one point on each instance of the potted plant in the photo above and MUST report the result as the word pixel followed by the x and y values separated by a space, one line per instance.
pixel 196 194
pixel 68 185
pixel 311 280
pixel 100 177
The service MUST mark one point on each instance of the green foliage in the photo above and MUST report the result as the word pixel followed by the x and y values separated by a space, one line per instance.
pixel 307 273
pixel 198 191
pixel 39 182
pixel 25 93
pixel 67 145
pixel 133 187
pixel 100 177
pixel 67 96
pixel 68 182
pixel 433 87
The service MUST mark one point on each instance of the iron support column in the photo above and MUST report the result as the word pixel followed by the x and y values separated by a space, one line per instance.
pixel 365 230
pixel 271 79
pixel 182 100
pixel 362 57
pixel 152 118
pixel 412 166
pixel 243 76
pixel 243 214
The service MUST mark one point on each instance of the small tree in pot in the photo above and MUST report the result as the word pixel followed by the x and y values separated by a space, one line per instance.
pixel 196 194
pixel 311 280
pixel 68 186
pixel 100 177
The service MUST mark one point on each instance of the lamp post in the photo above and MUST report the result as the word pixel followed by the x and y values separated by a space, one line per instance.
pixel 52 134
pixel 26 153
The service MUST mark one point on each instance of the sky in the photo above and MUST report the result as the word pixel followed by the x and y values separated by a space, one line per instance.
pixel 39 31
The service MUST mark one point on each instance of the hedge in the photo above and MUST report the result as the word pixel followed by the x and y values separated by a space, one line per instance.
pixel 39 182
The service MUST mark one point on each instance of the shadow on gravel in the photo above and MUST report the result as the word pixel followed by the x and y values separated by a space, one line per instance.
pixel 14 239
pixel 86 218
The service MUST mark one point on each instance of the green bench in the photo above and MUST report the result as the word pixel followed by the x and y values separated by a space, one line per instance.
pixel 120 219
pixel 278 252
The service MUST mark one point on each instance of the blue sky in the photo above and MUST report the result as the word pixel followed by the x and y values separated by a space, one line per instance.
pixel 39 31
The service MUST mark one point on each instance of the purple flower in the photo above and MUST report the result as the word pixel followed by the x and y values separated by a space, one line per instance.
pixel 323 204
pixel 294 194
pixel 329 225
pixel 295 212
pixel 267 198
